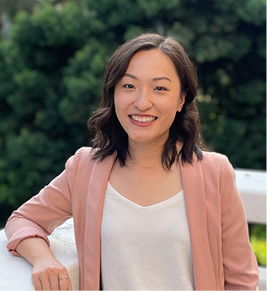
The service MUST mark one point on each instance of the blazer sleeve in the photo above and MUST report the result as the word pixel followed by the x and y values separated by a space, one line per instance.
pixel 240 264
pixel 39 216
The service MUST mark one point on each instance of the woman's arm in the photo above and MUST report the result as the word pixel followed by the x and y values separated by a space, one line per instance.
pixel 40 215
pixel 28 227
pixel 48 273
pixel 240 264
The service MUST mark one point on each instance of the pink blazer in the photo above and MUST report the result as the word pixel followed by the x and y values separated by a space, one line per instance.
pixel 222 256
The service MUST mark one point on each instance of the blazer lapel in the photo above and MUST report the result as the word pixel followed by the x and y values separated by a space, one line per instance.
pixel 96 194
pixel 195 201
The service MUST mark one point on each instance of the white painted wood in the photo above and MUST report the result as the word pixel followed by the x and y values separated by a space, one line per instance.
pixel 262 279
pixel 252 187
pixel 15 272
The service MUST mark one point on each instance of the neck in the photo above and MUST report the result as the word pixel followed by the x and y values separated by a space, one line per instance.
pixel 145 156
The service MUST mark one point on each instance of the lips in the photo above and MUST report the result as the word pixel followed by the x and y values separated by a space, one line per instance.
pixel 143 119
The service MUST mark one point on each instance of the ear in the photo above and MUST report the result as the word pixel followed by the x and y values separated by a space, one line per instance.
pixel 181 101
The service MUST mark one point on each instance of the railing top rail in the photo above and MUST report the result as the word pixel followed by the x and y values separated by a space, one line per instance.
pixel 252 187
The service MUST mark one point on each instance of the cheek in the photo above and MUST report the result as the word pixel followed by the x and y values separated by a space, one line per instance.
pixel 170 113
pixel 120 106
pixel 172 118
pixel 122 101
pixel 117 100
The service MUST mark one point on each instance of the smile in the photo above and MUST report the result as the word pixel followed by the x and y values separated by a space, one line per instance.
pixel 143 118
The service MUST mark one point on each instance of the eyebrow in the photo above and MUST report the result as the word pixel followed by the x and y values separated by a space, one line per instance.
pixel 154 79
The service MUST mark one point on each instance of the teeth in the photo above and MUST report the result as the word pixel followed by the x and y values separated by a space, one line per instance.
pixel 143 119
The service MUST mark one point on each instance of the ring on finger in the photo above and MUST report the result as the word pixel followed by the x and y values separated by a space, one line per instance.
pixel 63 277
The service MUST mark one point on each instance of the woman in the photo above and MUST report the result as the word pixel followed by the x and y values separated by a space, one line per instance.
pixel 151 209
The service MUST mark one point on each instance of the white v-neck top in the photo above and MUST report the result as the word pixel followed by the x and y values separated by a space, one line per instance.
pixel 145 247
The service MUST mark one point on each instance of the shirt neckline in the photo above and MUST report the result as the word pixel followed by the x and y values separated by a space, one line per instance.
pixel 179 195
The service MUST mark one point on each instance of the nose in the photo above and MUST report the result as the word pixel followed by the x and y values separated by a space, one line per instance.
pixel 143 100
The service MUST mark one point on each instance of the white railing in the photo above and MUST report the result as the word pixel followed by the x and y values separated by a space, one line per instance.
pixel 15 272
pixel 252 187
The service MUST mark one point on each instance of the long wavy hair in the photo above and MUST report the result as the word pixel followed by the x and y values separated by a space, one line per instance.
pixel 111 138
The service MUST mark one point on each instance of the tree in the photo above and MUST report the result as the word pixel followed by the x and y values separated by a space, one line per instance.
pixel 51 73
pixel 52 63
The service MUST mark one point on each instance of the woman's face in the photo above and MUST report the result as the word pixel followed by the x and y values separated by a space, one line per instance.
pixel 148 97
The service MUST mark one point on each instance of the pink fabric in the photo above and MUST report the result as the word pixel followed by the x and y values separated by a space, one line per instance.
pixel 222 255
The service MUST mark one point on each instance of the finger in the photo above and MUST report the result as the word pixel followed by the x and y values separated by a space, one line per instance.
pixel 70 286
pixel 36 282
pixel 54 282
pixel 64 282
pixel 45 283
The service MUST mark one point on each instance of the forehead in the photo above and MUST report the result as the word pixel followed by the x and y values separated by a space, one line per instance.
pixel 152 61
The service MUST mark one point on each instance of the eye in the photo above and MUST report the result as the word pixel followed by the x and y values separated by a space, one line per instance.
pixel 128 86
pixel 159 88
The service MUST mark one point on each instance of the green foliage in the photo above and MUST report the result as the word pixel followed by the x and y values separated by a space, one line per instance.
pixel 51 73
pixel 51 70
pixel 258 242
pixel 259 248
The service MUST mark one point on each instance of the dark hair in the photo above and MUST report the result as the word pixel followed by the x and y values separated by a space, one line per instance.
pixel 110 136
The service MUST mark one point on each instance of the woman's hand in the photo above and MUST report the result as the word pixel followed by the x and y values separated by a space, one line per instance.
pixel 50 275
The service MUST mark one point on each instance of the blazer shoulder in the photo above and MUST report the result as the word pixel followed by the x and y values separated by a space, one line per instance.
pixel 80 164
pixel 82 155
pixel 214 158
pixel 216 162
